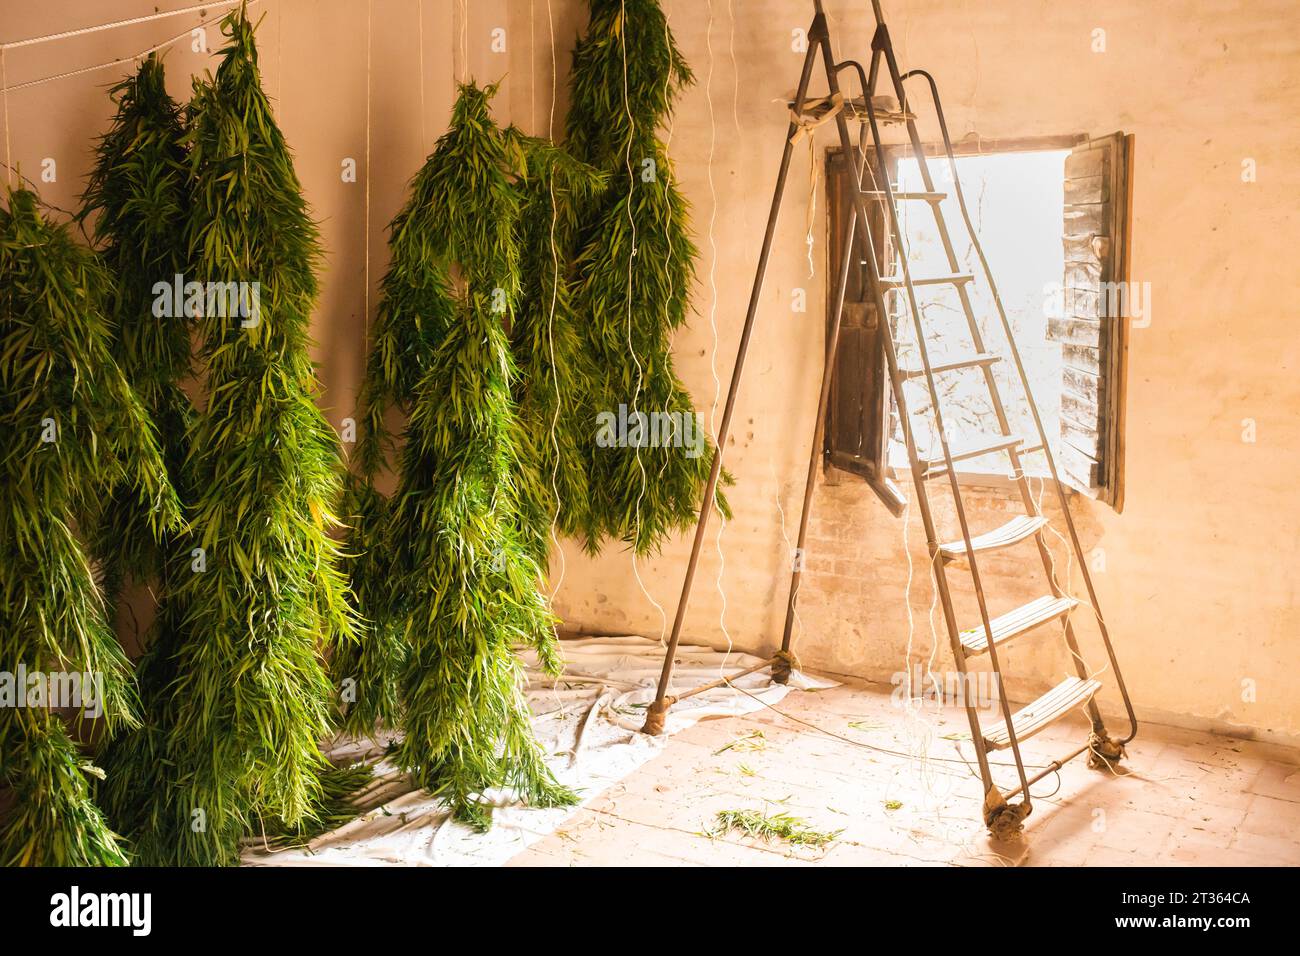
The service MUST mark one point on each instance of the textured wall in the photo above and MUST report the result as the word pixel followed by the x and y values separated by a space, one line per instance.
pixel 1199 585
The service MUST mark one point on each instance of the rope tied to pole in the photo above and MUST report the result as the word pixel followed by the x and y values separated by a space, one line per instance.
pixel 816 112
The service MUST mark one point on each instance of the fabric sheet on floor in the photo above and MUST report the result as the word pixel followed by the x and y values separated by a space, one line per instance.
pixel 588 721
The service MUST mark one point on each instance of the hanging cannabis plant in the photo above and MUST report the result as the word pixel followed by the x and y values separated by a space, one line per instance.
pixel 139 193
pixel 139 190
pixel 556 371
pixel 468 588
pixel 75 430
pixel 415 309
pixel 651 458
pixel 249 698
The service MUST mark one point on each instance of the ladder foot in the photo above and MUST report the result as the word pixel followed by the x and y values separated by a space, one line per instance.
pixel 655 715
pixel 782 663
pixel 1004 820
pixel 1104 751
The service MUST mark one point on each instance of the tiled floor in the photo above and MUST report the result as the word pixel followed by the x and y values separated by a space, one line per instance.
pixel 1185 798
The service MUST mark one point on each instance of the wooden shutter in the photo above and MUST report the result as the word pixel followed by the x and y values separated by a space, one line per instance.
pixel 857 417
pixel 1093 330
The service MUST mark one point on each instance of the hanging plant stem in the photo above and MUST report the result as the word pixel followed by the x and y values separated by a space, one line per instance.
pixel 76 431
pixel 637 264
pixel 469 588
pixel 415 309
pixel 556 372
pixel 249 698
pixel 139 188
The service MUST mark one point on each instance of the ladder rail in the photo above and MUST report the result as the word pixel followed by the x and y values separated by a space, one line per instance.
pixel 882 45
pixel 881 41
pixel 882 53
pixel 954 633
pixel 896 381
pixel 1033 407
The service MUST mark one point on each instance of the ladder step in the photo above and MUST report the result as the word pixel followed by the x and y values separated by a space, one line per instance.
pixel 1055 704
pixel 974 361
pixel 932 465
pixel 899 282
pixel 1017 622
pixel 1013 532
pixel 921 196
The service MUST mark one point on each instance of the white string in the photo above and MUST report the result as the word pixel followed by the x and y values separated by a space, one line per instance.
pixel 119 61
pixel 550 325
pixel 279 61
pixel 812 203
pixel 636 396
pixel 365 292
pixel 797 627
pixel 4 86
pixel 532 69
pixel 82 31
pixel 464 40
pixel 419 28
pixel 1069 575
pixel 713 326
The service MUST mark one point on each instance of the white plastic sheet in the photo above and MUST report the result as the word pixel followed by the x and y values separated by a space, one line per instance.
pixel 588 721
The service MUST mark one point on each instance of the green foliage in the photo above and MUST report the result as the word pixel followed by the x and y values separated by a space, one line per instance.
pixel 54 820
pixel 556 371
pixel 247 694
pixel 469 588
pixel 75 431
pixel 767 827
pixel 335 807
pixel 637 264
pixel 139 188
pixel 415 308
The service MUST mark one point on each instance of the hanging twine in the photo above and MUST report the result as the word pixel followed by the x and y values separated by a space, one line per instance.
pixel 419 28
pixel 370 7
pixel 4 84
pixel 109 26
pixel 816 112
pixel 826 109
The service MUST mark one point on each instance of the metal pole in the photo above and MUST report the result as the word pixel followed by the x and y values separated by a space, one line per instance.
pixel 781 672
pixel 654 720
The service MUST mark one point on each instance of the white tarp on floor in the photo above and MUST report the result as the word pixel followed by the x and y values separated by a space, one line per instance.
pixel 588 721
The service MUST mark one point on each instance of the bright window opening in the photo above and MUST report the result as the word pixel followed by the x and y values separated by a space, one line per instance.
pixel 1015 201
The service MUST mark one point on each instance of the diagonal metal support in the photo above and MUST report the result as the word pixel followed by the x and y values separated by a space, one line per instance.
pixel 1077 691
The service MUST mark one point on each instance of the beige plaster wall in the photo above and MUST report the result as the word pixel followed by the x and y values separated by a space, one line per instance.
pixel 1199 580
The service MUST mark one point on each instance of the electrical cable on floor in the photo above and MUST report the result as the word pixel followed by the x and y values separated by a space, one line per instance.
pixel 863 745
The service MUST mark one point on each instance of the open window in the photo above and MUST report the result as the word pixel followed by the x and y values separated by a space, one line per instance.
pixel 858 414
pixel 1053 219
pixel 1098 302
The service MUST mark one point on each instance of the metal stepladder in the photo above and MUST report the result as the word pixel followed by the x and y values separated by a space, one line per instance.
pixel 1074 692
